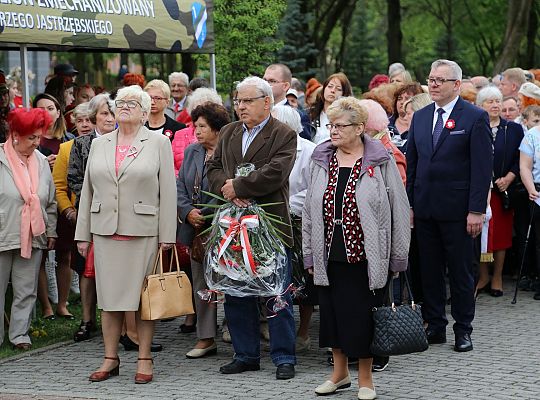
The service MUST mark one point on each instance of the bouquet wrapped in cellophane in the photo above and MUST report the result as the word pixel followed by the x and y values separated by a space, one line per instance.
pixel 245 253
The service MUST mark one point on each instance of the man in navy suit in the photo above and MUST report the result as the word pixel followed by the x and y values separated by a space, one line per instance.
pixel 449 169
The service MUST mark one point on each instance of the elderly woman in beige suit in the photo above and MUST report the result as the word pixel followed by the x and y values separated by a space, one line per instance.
pixel 127 207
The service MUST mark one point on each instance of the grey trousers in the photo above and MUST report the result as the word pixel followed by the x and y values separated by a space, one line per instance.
pixel 24 280
pixel 206 312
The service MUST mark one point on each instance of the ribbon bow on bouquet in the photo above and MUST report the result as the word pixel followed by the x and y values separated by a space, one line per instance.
pixel 240 227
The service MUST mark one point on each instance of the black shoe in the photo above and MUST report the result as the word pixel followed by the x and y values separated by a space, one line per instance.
pixel 525 283
pixel 496 293
pixel 536 296
pixel 379 363
pixel 285 371
pixel 84 332
pixel 237 367
pixel 130 345
pixel 435 337
pixel 463 343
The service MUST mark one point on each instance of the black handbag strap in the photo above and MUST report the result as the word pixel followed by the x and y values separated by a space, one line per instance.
pixel 389 293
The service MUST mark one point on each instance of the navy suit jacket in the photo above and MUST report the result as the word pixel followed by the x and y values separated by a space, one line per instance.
pixel 449 181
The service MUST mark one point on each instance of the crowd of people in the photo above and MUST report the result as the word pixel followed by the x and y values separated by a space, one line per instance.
pixel 437 179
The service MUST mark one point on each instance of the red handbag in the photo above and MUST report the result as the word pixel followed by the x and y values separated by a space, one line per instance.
pixel 89 270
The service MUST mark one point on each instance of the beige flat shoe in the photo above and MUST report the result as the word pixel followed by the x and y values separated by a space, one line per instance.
pixel 330 387
pixel 198 353
pixel 366 393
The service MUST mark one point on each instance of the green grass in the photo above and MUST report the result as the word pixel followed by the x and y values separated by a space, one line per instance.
pixel 44 332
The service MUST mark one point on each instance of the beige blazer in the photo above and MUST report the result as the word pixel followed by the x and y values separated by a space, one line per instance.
pixel 140 201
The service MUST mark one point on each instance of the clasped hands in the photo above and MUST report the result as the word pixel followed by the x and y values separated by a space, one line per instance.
pixel 229 194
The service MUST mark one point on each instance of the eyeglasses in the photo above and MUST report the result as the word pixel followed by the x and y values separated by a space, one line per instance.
pixel 338 127
pixel 272 81
pixel 439 81
pixel 247 101
pixel 157 98
pixel 128 103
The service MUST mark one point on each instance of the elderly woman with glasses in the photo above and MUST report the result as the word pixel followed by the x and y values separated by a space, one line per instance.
pixel 507 136
pixel 125 209
pixel 355 230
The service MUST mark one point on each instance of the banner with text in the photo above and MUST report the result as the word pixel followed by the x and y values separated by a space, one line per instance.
pixel 138 25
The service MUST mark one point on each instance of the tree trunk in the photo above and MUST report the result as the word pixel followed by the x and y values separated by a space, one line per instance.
pixel 98 67
pixel 516 23
pixel 143 64
pixel 528 62
pixel 189 65
pixel 393 35
pixel 171 64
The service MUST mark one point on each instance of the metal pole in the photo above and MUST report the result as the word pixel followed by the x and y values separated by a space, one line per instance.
pixel 213 71
pixel 24 75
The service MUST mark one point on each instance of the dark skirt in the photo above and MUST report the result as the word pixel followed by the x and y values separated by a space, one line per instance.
pixel 346 316
pixel 66 232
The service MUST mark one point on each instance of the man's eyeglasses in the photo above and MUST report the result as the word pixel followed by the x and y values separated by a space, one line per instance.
pixel 128 103
pixel 157 98
pixel 439 81
pixel 338 127
pixel 247 101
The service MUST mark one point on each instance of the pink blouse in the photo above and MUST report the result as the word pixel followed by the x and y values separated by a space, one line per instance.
pixel 121 153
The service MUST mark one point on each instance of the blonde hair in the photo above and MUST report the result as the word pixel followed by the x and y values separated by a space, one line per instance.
pixel 160 85
pixel 351 105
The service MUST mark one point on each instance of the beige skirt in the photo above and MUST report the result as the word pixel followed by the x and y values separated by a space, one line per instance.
pixel 121 266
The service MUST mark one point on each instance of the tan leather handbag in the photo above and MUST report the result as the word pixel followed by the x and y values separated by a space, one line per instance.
pixel 166 295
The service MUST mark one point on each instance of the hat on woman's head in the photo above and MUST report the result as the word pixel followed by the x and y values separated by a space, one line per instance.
pixel 530 90
pixel 312 85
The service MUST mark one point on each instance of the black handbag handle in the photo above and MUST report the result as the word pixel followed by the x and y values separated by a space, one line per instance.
pixel 390 290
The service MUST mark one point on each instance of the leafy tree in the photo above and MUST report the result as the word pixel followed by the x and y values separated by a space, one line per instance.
pixel 297 46
pixel 245 38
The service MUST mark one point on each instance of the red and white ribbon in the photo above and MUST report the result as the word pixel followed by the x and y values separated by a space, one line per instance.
pixel 235 228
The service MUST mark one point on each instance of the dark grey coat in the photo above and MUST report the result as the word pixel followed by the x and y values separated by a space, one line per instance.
pixel 192 170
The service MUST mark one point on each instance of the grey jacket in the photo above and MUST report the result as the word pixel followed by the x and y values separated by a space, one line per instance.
pixel 192 173
pixel 11 204
pixel 383 208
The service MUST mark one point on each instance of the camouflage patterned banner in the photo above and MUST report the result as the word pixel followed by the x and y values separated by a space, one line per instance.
pixel 137 25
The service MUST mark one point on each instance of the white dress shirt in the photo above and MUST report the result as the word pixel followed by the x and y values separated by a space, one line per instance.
pixel 447 110
pixel 299 178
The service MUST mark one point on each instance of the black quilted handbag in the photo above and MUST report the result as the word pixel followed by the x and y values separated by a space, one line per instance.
pixel 398 329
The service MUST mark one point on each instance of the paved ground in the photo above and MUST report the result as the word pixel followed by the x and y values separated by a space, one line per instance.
pixel 504 365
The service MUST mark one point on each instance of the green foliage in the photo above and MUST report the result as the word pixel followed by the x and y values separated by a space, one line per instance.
pixel 245 38
pixel 297 46
pixel 363 55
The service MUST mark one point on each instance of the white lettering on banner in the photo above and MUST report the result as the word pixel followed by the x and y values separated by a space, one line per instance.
pixel 88 6
pixel 98 5
pixel 16 20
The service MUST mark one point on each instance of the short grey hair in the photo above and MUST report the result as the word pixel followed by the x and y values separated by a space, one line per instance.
pixel 289 116
pixel 202 96
pixel 179 76
pixel 82 110
pixel 488 93
pixel 457 73
pixel 395 67
pixel 262 86
pixel 137 92
pixel 95 104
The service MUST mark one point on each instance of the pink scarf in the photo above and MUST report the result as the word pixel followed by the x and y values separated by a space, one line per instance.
pixel 32 223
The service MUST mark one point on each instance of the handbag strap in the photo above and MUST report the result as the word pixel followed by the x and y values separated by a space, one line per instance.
pixel 174 255
pixel 389 294
pixel 159 260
